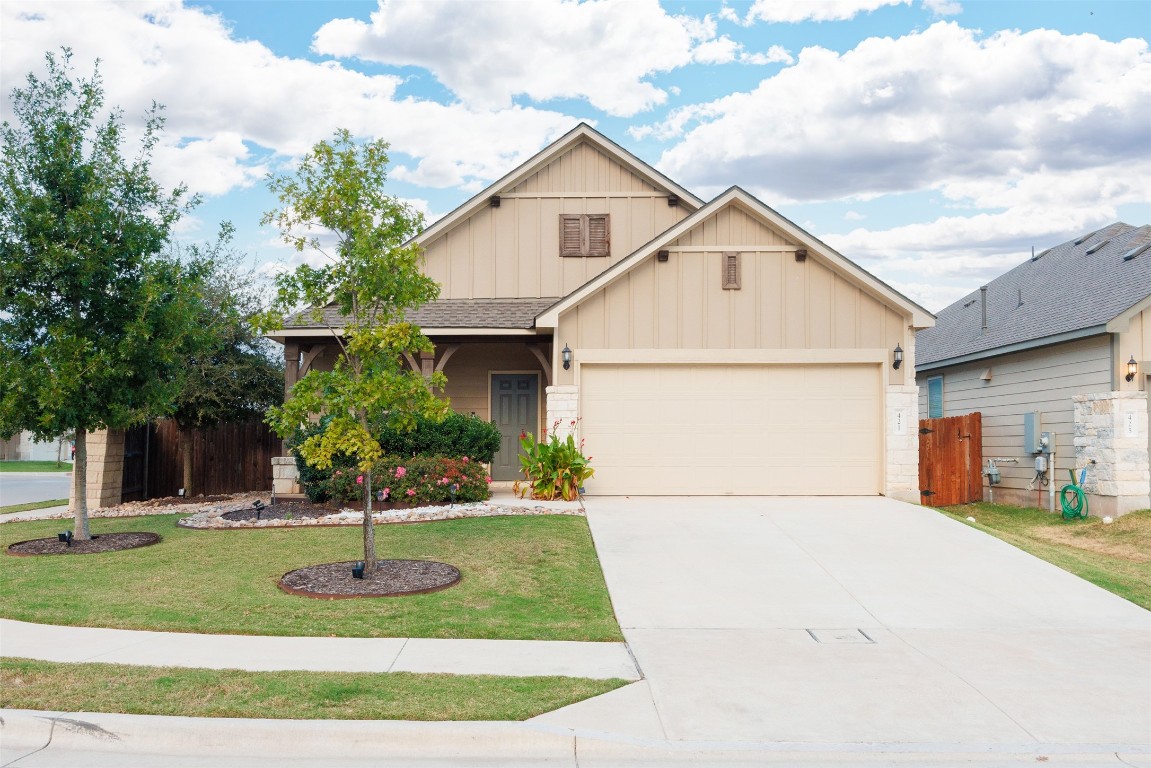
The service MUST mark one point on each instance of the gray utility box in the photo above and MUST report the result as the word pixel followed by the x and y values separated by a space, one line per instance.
pixel 1035 440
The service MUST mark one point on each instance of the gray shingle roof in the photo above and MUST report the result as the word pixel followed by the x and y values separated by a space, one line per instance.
pixel 1078 285
pixel 447 313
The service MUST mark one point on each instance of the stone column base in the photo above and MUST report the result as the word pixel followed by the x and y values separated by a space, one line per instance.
pixel 901 472
pixel 285 476
pixel 563 410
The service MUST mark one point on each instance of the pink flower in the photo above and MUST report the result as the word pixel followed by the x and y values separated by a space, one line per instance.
pixel 488 478
pixel 411 491
pixel 387 493
pixel 445 481
pixel 359 480
pixel 338 472
pixel 400 471
pixel 465 459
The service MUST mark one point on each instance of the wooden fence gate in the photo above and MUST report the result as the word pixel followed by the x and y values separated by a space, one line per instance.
pixel 951 460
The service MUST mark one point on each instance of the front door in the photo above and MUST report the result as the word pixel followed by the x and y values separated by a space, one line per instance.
pixel 515 409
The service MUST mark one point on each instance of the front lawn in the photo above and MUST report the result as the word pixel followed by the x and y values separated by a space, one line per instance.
pixel 35 466
pixel 50 686
pixel 524 578
pixel 1116 557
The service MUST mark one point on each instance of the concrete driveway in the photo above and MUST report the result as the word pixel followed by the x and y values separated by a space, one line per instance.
pixel 850 621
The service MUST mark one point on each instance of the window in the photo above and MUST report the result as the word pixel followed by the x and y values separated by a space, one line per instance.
pixel 731 270
pixel 587 234
pixel 935 397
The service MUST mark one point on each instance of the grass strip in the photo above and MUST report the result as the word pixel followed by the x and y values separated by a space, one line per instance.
pixel 45 685
pixel 35 466
pixel 524 578
pixel 33 505
pixel 1115 556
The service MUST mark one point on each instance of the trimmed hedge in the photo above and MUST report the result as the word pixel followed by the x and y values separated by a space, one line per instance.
pixel 458 436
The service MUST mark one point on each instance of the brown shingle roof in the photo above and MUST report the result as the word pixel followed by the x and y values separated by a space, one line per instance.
pixel 446 313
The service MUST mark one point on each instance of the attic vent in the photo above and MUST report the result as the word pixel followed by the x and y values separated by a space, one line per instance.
pixel 1086 237
pixel 1135 252
pixel 1040 255
pixel 731 270
pixel 585 234
pixel 1098 246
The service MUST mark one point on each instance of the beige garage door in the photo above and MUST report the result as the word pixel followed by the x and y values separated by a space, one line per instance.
pixel 739 429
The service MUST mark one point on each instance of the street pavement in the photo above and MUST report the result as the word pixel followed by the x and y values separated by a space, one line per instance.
pixel 27 487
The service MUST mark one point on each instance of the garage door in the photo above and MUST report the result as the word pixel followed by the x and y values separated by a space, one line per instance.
pixel 740 429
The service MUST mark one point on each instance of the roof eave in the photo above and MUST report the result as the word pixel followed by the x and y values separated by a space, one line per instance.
pixel 1020 346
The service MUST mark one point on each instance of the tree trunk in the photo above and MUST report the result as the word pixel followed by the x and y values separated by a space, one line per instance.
pixel 80 530
pixel 186 454
pixel 369 528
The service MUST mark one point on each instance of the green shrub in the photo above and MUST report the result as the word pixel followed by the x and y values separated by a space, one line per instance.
pixel 555 469
pixel 457 436
pixel 415 480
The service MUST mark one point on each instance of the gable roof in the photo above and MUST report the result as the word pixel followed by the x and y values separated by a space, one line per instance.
pixel 920 317
pixel 582 133
pixel 1070 291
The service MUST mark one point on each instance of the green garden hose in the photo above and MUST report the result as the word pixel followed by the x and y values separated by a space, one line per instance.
pixel 1072 499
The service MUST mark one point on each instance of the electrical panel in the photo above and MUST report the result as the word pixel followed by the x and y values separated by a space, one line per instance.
pixel 1032 429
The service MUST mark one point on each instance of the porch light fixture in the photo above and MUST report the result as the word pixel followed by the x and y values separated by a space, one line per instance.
pixel 566 355
pixel 897 359
pixel 1132 368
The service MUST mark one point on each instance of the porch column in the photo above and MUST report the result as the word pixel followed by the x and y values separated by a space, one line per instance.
pixel 291 367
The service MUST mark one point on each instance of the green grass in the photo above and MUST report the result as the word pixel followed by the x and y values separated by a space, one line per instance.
pixel 35 466
pixel 530 578
pixel 1116 557
pixel 43 685
pixel 33 505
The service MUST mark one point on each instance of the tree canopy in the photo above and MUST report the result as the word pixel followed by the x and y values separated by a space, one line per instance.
pixel 372 274
pixel 92 314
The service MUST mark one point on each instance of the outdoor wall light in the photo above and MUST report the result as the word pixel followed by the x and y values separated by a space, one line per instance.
pixel 566 355
pixel 1132 368
pixel 897 360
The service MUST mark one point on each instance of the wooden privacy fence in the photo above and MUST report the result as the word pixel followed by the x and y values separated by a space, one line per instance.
pixel 228 458
pixel 951 460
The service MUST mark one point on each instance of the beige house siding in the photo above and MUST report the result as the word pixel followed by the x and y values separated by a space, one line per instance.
pixel 782 303
pixel 513 251
pixel 1044 380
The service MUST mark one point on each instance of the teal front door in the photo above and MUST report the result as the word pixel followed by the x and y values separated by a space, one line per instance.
pixel 515 409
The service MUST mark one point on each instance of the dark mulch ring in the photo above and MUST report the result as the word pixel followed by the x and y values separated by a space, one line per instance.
pixel 104 542
pixel 333 581
pixel 295 510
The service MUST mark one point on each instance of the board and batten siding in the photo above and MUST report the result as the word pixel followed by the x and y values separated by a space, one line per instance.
pixel 513 251
pixel 469 372
pixel 781 304
pixel 1041 380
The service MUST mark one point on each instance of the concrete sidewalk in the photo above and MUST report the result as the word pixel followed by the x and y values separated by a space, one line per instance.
pixel 516 658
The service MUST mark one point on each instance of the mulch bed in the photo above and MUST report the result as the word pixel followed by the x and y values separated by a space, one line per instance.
pixel 104 542
pixel 294 510
pixel 333 581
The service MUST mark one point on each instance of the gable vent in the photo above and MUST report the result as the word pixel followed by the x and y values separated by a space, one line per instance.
pixel 731 270
pixel 1098 246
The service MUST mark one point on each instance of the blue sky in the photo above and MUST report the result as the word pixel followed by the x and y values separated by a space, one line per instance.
pixel 934 142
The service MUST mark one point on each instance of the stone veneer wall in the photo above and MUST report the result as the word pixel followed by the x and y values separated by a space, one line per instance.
pixel 105 468
pixel 902 439
pixel 562 410
pixel 1111 428
pixel 285 476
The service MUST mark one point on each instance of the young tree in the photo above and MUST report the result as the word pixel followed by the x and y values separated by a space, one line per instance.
pixel 228 374
pixel 372 276
pixel 91 313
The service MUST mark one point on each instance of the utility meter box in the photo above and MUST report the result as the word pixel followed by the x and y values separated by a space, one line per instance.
pixel 1032 431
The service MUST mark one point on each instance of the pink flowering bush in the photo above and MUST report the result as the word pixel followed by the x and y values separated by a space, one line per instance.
pixel 416 480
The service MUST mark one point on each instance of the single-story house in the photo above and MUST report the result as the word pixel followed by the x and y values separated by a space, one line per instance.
pixel 696 348
pixel 1061 345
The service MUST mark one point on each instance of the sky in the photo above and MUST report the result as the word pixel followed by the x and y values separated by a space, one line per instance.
pixel 933 142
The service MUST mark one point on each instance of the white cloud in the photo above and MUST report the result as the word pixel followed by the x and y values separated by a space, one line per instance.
pixel 943 7
pixel 931 109
pixel 794 11
pixel 854 216
pixel 226 96
pixel 604 51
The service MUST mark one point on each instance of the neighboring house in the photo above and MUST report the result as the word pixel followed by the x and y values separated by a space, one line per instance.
pixel 25 447
pixel 714 348
pixel 1066 335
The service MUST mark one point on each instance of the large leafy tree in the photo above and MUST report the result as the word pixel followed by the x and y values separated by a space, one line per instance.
pixel 372 275
pixel 229 374
pixel 92 314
